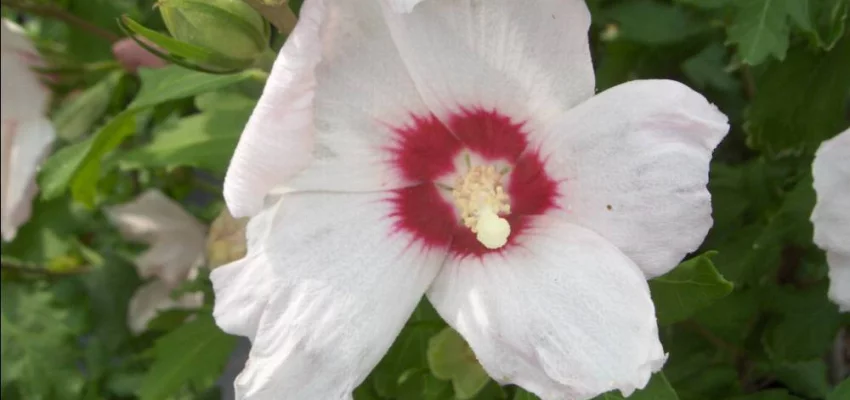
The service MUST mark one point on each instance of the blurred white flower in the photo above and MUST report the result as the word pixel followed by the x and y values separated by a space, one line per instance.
pixel 26 133
pixel 176 249
pixel 153 297
pixel 831 215
pixel 459 150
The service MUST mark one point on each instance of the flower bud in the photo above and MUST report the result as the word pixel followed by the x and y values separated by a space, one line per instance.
pixel 226 240
pixel 230 28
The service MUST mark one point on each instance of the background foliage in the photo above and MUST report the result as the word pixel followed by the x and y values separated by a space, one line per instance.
pixel 746 318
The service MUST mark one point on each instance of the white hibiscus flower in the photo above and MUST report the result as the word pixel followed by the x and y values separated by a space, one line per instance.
pixel 177 242
pixel 458 150
pixel 25 133
pixel 831 216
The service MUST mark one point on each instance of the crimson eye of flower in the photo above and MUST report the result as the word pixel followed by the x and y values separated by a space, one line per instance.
pixel 479 181
pixel 457 149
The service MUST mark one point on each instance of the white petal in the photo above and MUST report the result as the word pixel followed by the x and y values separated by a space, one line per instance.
pixel 839 280
pixel 23 96
pixel 345 282
pixel 154 297
pixel 335 94
pixel 25 144
pixel 831 215
pixel 243 288
pixel 633 165
pixel 563 314
pixel 176 238
pixel 402 5
pixel 529 62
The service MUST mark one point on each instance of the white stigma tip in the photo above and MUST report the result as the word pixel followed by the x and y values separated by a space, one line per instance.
pixel 491 230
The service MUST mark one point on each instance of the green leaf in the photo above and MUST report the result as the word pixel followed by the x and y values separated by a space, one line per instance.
pixel 761 29
pixel 521 394
pixel 174 82
pixel 841 392
pixel 708 4
pixel 420 385
pixel 45 235
pixel 658 388
pixel 804 325
pixel 807 378
pixel 409 352
pixel 800 102
pixel 193 354
pixel 205 140
pixel 830 18
pixel 652 23
pixel 77 115
pixel 692 285
pixel 82 44
pixel 773 394
pixel 87 172
pixel 708 69
pixel 450 358
pixel 60 167
pixel 37 345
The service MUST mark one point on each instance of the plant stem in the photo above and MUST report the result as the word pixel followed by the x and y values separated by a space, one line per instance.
pixel 51 11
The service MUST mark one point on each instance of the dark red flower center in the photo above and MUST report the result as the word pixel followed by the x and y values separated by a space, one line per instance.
pixel 427 151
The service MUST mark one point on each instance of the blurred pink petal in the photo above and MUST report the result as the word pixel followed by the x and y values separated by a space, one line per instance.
pixel 132 56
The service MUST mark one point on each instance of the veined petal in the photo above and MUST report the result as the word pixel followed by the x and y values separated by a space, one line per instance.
pixel 633 165
pixel 831 215
pixel 529 62
pixel 336 94
pixel 564 314
pixel 154 297
pixel 345 281
pixel 176 238
pixel 25 143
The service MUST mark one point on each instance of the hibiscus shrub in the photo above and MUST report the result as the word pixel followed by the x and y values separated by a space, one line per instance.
pixel 174 225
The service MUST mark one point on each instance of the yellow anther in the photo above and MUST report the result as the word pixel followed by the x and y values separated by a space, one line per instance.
pixel 481 199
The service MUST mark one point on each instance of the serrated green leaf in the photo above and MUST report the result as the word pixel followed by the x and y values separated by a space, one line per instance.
pixel 761 29
pixel 841 392
pixel 193 354
pixel 800 102
pixel 77 116
pixel 450 358
pixel 692 285
pixel 175 82
pixel 37 345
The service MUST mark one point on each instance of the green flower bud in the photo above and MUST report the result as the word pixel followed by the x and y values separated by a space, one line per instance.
pixel 231 28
